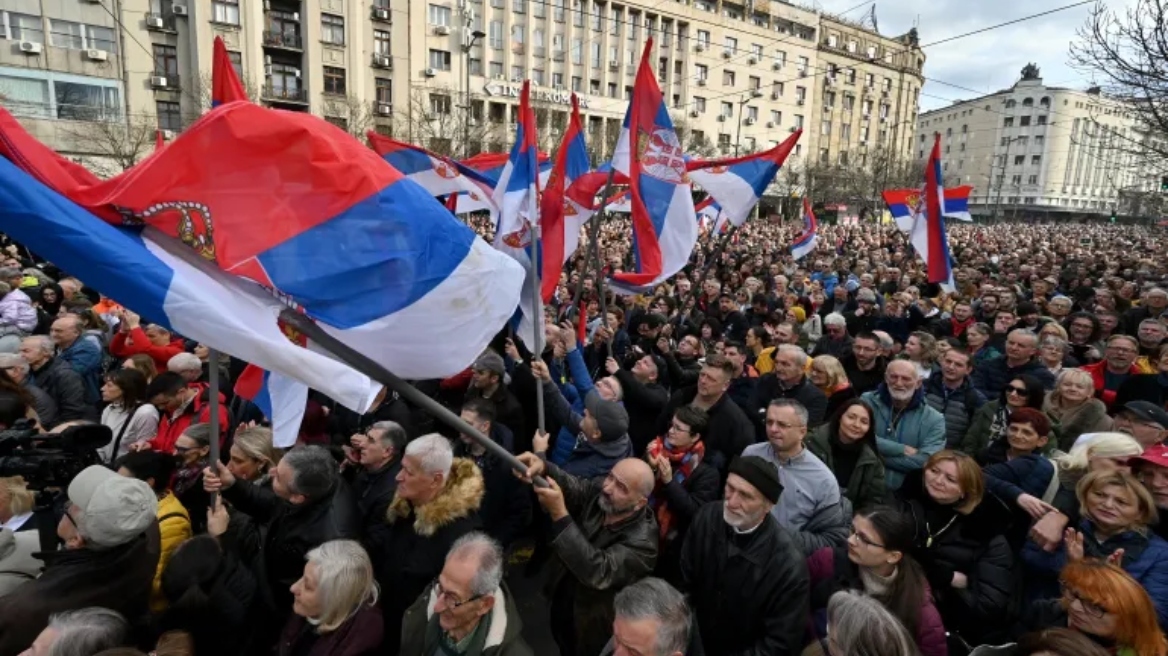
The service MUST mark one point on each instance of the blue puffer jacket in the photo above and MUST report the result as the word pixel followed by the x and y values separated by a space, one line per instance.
pixel 919 426
pixel 580 383
pixel 1145 558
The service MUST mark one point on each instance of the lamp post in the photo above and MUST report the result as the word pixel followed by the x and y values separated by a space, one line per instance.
pixel 751 95
pixel 470 38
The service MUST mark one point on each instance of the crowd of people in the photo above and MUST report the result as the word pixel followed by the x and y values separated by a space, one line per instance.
pixel 762 457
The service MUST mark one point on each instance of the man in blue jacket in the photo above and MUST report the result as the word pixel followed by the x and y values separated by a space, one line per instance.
pixel 83 355
pixel 908 431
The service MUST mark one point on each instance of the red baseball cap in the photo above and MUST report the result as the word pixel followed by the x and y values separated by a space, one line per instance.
pixel 1157 455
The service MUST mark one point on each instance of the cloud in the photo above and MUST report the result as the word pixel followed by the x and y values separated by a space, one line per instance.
pixel 986 62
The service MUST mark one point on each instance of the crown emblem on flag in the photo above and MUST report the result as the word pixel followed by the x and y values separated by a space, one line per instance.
pixel 444 170
pixel 192 224
pixel 661 155
pixel 520 238
pixel 914 202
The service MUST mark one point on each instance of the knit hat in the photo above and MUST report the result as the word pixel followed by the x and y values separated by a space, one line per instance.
pixel 759 473
pixel 611 417
pixel 114 509
pixel 490 361
pixel 799 313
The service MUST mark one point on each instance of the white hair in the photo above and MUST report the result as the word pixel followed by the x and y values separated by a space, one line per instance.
pixel 860 624
pixel 346 583
pixel 799 354
pixel 488 556
pixel 13 360
pixel 835 319
pixel 654 599
pixel 42 342
pixel 434 453
pixel 184 362
pixel 87 631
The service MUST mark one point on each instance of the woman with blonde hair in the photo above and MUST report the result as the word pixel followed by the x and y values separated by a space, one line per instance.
pixel 1073 408
pixel 253 455
pixel 827 373
pixel 16 503
pixel 334 606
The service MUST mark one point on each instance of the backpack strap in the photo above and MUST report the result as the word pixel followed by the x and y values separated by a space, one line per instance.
pixel 1052 487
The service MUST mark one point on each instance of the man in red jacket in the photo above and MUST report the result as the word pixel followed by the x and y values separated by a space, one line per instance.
pixel 180 405
pixel 154 340
pixel 1117 365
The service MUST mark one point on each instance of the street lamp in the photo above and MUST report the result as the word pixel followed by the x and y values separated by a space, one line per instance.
pixel 750 95
pixel 475 35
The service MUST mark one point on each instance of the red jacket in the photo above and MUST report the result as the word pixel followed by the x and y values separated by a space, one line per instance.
pixel 171 428
pixel 1098 371
pixel 140 343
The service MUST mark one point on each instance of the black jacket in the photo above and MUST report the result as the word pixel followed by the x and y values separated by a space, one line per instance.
pixel 683 372
pixel 66 388
pixel 864 381
pixel 217 619
pixel 684 500
pixel 729 432
pixel 594 561
pixel 506 506
pixel 808 395
pixel 344 423
pixel 372 491
pixel 644 404
pixel 749 592
pixel 975 545
pixel 992 376
pixel 508 410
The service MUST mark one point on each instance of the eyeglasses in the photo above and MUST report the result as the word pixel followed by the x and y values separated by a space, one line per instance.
pixel 1094 610
pixel 448 597
pixel 1020 391
pixel 865 541
pixel 179 450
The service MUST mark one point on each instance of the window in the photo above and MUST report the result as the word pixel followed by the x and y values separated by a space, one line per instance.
pixel 1033 180
pixel 539 9
pixel 439 103
pixel 594 54
pixel 1042 119
pixel 86 102
pixel 731 45
pixel 612 89
pixel 728 78
pixel 780 58
pixel 704 37
pixel 496 69
pixel 1019 160
pixel 1025 121
pixel 829 100
pixel 755 83
pixel 1011 104
pixel 517 73
pixel 756 50
pixel 22 27
pixel 334 80
pixel 384 89
pixel 168 115
pixel 798 121
pixel 495 35
pixel 1028 102
pixel 727 109
pixel 577 84
pixel 381 42
pixel 476 66
pixel 724 141
pixel 519 6
pixel 225 11
pixel 518 31
pixel 26 97
pixel 165 61
pixel 801 94
pixel 76 36
pixel 1008 122
pixel 849 102
pixel 332 29
pixel 864 134
pixel 1036 160
pixel 777 88
pixel 752 113
pixel 577 51
pixel 1017 180
pixel 700 104
pixel 440 59
pixel 825 127
pixel 1039 140
pixel 703 71
pixel 558 11
pixel 803 64
pixel 537 77
pixel 776 117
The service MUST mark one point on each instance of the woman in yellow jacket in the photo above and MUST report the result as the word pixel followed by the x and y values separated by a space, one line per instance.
pixel 174 523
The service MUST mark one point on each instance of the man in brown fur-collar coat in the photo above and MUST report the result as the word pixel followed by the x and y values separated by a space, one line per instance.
pixel 436 502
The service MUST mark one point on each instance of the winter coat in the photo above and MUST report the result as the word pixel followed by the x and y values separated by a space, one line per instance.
pixel 66 388
pixel 684 500
pixel 344 423
pixel 198 411
pixel 17 315
pixel 957 406
pixel 1067 424
pixel 1098 373
pixel 143 426
pixel 508 410
pixel 588 459
pixel 831 571
pixel 920 427
pixel 84 356
pixel 836 400
pixel 17 564
pixel 864 381
pixel 975 545
pixel 118 578
pixel 506 507
pixel 124 345
pixel 360 635
pixel 504 635
pixel 218 618
pixel 728 433
pixel 769 388
pixel 44 405
pixel 574 392
pixel 644 403
pixel 749 591
pixel 409 550
pixel 1030 474
pixel 683 372
pixel 992 376
pixel 977 438
pixel 593 560
pixel 866 486
pixel 174 528
pixel 1145 558
pixel 828 345
pixel 373 491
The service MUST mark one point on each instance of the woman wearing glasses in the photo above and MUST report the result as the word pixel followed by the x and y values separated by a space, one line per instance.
pixel 876 562
pixel 1116 512
pixel 1101 602
pixel 991 420
pixel 334 605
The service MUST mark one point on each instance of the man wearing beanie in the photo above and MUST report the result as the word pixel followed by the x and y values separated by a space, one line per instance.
pixel 487 383
pixel 602 432
pixel 111 547
pixel 747 579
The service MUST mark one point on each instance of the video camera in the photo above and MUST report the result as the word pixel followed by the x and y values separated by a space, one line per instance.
pixel 50 460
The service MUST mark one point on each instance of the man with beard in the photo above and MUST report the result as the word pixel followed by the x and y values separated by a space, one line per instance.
pixel 907 429
pixel 747 579
pixel 865 366
pixel 603 537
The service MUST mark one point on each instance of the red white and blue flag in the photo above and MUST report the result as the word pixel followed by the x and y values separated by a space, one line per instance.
pixel 225 84
pixel 805 243
pixel 928 234
pixel 738 183
pixel 649 153
pixel 441 176
pixel 283 401
pixel 905 204
pixel 561 217
pixel 621 202
pixel 516 196
pixel 491 166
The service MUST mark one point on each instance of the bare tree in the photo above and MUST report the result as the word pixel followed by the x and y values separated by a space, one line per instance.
pixel 114 145
pixel 859 183
pixel 203 93
pixel 350 114
pixel 431 120
pixel 1127 51
pixel 693 142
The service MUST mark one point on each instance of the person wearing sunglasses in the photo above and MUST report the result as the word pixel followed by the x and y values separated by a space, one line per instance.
pixel 990 421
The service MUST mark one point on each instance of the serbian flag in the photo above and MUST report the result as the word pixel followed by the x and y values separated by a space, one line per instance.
pixel 621 202
pixel 561 217
pixel 304 211
pixel 928 233
pixel 905 204
pixel 438 175
pixel 649 153
pixel 491 166
pixel 805 243
pixel 283 401
pixel 707 212
pixel 738 183
pixel 517 197
pixel 225 84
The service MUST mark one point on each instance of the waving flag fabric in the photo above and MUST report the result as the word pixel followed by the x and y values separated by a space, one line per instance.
pixel 708 212
pixel 491 166
pixel 649 153
pixel 621 202
pixel 283 400
pixel 438 175
pixel 294 204
pixel 560 217
pixel 905 204
pixel 928 232
pixel 739 183
pixel 517 197
pixel 805 243
pixel 225 84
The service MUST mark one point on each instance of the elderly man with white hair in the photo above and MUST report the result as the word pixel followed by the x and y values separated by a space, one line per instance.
pixel 18 372
pixel 187 365
pixel 436 502
pixel 468 609
pixel 57 379
pixel 835 340
pixel 908 430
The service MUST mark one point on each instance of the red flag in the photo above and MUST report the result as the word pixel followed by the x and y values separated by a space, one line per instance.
pixel 225 84
pixel 159 140
pixel 582 323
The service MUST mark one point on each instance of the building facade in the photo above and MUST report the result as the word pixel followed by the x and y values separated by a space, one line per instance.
pixel 1037 150
pixel 739 76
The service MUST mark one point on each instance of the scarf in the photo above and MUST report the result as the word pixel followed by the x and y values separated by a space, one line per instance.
pixel 683 463
pixel 960 326
pixel 185 478
pixel 1000 423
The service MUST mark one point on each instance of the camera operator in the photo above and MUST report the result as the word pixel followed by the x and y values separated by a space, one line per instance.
pixel 109 558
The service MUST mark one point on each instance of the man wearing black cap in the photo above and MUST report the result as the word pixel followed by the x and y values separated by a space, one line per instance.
pixel 1145 421
pixel 747 579
pixel 487 383
pixel 644 396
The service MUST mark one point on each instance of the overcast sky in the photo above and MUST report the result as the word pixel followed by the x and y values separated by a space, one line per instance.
pixel 984 62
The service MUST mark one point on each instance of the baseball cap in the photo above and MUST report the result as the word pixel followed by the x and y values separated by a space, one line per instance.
pixel 1156 454
pixel 1148 411
pixel 490 361
pixel 116 509
pixel 611 417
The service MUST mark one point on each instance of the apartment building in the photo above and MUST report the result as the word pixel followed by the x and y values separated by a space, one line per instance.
pixel 738 75
pixel 1038 150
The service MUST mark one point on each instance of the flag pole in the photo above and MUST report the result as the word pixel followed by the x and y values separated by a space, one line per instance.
pixel 717 252
pixel 537 316
pixel 369 367
pixel 595 251
pixel 213 391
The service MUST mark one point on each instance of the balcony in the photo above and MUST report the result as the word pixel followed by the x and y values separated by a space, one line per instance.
pixel 160 22
pixel 165 81
pixel 381 60
pixel 284 95
pixel 283 40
